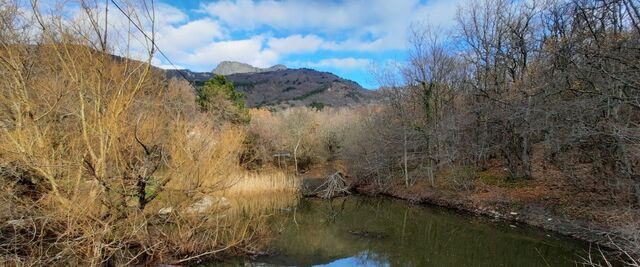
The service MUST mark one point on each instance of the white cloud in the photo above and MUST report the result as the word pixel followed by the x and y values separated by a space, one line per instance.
pixel 249 14
pixel 235 30
pixel 158 63
pixel 297 43
pixel 166 14
pixel 348 63
pixel 248 51
pixel 125 39
pixel 374 25
pixel 328 16
pixel 192 35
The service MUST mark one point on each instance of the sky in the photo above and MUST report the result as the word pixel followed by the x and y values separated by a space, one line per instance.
pixel 343 37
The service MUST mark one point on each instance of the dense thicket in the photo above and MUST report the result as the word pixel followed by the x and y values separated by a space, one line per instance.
pixel 563 75
pixel 103 161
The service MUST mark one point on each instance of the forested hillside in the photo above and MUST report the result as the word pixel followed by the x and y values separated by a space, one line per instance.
pixel 279 88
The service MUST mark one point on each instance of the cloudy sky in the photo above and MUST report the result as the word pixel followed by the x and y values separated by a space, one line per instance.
pixel 343 37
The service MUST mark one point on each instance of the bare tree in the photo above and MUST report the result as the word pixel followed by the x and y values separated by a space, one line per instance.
pixel 429 75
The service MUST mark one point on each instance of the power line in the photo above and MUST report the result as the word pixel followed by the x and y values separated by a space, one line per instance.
pixel 153 43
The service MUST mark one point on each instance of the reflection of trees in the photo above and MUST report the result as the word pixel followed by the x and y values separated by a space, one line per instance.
pixel 367 258
pixel 334 209
pixel 409 236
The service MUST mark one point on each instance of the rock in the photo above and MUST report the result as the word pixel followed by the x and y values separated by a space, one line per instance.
pixel 223 202
pixel 232 67
pixel 494 213
pixel 165 211
pixel 513 213
pixel 201 205
pixel 207 202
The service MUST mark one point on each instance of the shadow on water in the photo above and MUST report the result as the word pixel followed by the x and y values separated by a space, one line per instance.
pixel 368 231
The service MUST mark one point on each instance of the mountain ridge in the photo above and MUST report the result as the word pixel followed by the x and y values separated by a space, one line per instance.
pixel 279 87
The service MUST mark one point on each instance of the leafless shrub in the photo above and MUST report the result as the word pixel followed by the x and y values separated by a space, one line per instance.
pixel 463 178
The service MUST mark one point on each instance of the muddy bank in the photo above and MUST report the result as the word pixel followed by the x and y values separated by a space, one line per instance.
pixel 546 201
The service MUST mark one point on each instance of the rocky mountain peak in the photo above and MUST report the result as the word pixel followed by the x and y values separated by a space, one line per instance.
pixel 233 67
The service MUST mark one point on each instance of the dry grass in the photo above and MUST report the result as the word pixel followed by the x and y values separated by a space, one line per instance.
pixel 264 182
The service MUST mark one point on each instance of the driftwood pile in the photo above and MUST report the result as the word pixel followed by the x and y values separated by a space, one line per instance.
pixel 334 185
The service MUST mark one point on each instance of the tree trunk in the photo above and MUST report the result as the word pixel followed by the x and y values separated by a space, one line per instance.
pixel 404 151
pixel 526 165
pixel 295 154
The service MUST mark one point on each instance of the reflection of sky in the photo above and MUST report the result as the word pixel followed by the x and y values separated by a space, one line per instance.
pixel 353 261
pixel 362 259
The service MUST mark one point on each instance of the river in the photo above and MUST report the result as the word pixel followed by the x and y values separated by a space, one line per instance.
pixel 375 231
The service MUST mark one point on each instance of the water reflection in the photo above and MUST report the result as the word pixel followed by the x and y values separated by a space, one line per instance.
pixel 383 232
pixel 256 205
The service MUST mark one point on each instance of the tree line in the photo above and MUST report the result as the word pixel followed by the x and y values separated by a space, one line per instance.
pixel 562 75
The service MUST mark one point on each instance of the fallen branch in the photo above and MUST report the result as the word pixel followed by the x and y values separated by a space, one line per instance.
pixel 334 185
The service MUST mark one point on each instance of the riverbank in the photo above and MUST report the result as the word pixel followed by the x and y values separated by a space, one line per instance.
pixel 547 200
pixel 551 199
pixel 601 236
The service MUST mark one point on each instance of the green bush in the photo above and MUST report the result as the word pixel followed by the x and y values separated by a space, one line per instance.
pixel 317 106
pixel 219 96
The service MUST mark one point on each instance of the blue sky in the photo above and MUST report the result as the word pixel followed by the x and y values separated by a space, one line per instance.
pixel 343 37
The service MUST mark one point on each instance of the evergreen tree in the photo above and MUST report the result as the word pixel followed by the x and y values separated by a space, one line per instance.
pixel 218 96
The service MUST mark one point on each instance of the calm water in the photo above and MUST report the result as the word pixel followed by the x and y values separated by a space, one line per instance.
pixel 363 231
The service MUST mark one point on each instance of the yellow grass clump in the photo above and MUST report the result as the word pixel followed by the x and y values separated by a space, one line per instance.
pixel 264 182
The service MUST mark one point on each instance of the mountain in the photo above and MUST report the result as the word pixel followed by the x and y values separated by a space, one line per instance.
pixel 279 87
pixel 232 67
pixel 299 87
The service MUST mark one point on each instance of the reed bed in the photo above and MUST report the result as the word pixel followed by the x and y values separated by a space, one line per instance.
pixel 264 182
